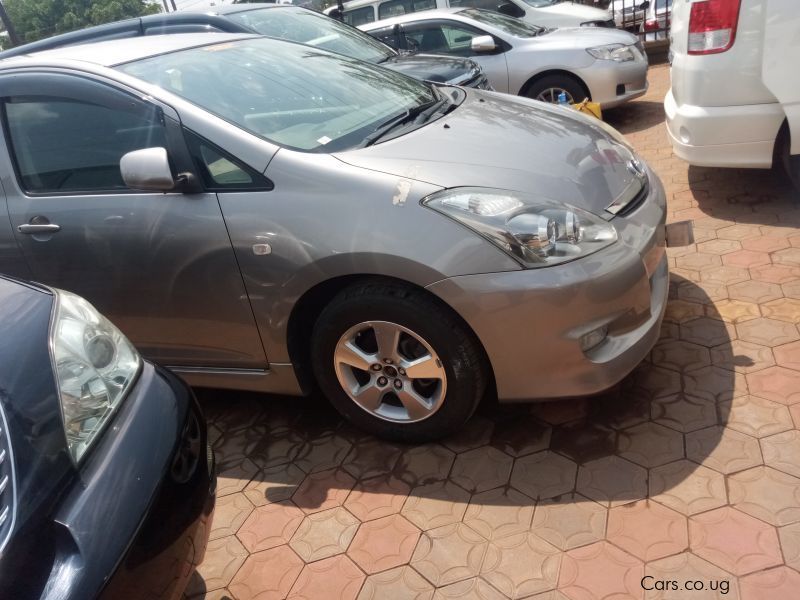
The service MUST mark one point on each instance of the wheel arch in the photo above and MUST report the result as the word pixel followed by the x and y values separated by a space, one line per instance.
pixel 308 307
pixel 548 72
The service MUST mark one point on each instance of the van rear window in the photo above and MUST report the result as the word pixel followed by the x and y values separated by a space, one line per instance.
pixel 359 16
pixel 395 8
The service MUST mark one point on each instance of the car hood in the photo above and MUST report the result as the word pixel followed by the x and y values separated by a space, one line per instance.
pixel 494 140
pixel 570 9
pixel 431 67
pixel 36 458
pixel 587 37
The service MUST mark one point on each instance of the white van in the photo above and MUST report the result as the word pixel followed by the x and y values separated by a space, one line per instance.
pixel 735 96
pixel 545 13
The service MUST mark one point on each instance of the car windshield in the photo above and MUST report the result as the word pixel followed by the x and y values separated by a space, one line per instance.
pixel 290 94
pixel 314 29
pixel 506 24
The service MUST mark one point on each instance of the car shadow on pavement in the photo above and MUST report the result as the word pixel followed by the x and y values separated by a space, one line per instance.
pixel 636 116
pixel 760 197
pixel 646 438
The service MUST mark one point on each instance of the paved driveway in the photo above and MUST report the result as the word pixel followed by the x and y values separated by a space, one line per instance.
pixel 688 471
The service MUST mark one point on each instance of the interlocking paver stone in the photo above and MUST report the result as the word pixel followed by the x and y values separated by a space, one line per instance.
pixel 570 521
pixel 647 530
pixel 734 541
pixel 482 469
pixel 449 554
pixel 520 565
pixel 687 487
pixel 499 512
pixel 767 494
pixel 600 570
pixel 612 481
pixel 756 416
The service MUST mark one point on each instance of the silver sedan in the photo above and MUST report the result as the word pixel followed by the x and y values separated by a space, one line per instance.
pixel 259 214
pixel 608 66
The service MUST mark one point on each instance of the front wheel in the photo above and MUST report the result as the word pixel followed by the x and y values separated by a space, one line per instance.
pixel 549 88
pixel 396 363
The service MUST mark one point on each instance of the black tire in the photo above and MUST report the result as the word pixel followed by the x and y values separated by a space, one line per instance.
pixel 791 164
pixel 459 352
pixel 557 81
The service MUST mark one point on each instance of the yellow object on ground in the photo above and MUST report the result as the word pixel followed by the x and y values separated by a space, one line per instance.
pixel 590 108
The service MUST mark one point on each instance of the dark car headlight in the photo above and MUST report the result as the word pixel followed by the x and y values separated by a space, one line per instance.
pixel 95 366
pixel 537 232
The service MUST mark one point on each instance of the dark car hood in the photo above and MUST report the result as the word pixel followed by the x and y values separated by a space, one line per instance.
pixel 29 399
pixel 432 67
pixel 495 140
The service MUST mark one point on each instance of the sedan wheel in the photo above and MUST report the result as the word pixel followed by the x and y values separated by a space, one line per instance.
pixel 390 371
pixel 548 88
pixel 396 363
pixel 552 95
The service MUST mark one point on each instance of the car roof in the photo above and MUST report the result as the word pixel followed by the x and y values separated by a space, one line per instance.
pixel 422 15
pixel 211 16
pixel 115 52
pixel 229 9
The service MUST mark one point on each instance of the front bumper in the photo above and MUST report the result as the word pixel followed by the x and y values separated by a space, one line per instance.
pixel 530 321
pixel 611 83
pixel 724 136
pixel 138 521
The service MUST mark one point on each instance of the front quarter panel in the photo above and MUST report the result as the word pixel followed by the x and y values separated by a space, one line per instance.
pixel 534 57
pixel 327 219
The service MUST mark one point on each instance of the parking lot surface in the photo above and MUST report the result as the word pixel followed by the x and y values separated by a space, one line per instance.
pixel 682 482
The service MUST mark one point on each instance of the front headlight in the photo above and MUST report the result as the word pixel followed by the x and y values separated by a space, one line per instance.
pixel 615 52
pixel 535 231
pixel 95 366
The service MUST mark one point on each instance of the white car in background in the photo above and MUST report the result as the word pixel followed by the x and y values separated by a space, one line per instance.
pixel 735 96
pixel 657 20
pixel 608 66
pixel 629 14
pixel 545 13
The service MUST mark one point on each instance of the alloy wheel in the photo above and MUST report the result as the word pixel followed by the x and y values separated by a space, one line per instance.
pixel 551 95
pixel 390 371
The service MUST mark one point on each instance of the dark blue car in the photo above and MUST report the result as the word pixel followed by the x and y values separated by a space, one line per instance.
pixel 106 477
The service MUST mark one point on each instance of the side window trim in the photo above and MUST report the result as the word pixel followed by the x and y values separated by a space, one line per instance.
pixel 94 96
pixel 194 141
pixel 502 46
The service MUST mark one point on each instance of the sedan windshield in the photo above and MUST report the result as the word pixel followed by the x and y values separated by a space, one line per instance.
pixel 508 25
pixel 314 29
pixel 289 94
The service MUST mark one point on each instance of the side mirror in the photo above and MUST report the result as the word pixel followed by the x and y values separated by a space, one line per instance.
pixel 147 169
pixel 645 5
pixel 483 43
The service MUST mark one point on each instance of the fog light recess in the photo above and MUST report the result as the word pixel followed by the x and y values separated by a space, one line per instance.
pixel 594 338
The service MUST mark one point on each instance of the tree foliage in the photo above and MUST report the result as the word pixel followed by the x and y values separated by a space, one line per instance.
pixel 37 19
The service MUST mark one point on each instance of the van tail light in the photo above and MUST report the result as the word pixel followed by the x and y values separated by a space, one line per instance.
pixel 651 25
pixel 712 26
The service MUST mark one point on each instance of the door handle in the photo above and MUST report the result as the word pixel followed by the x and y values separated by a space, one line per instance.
pixel 39 228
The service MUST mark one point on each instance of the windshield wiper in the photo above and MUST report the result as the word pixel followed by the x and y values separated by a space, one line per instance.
pixel 414 113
